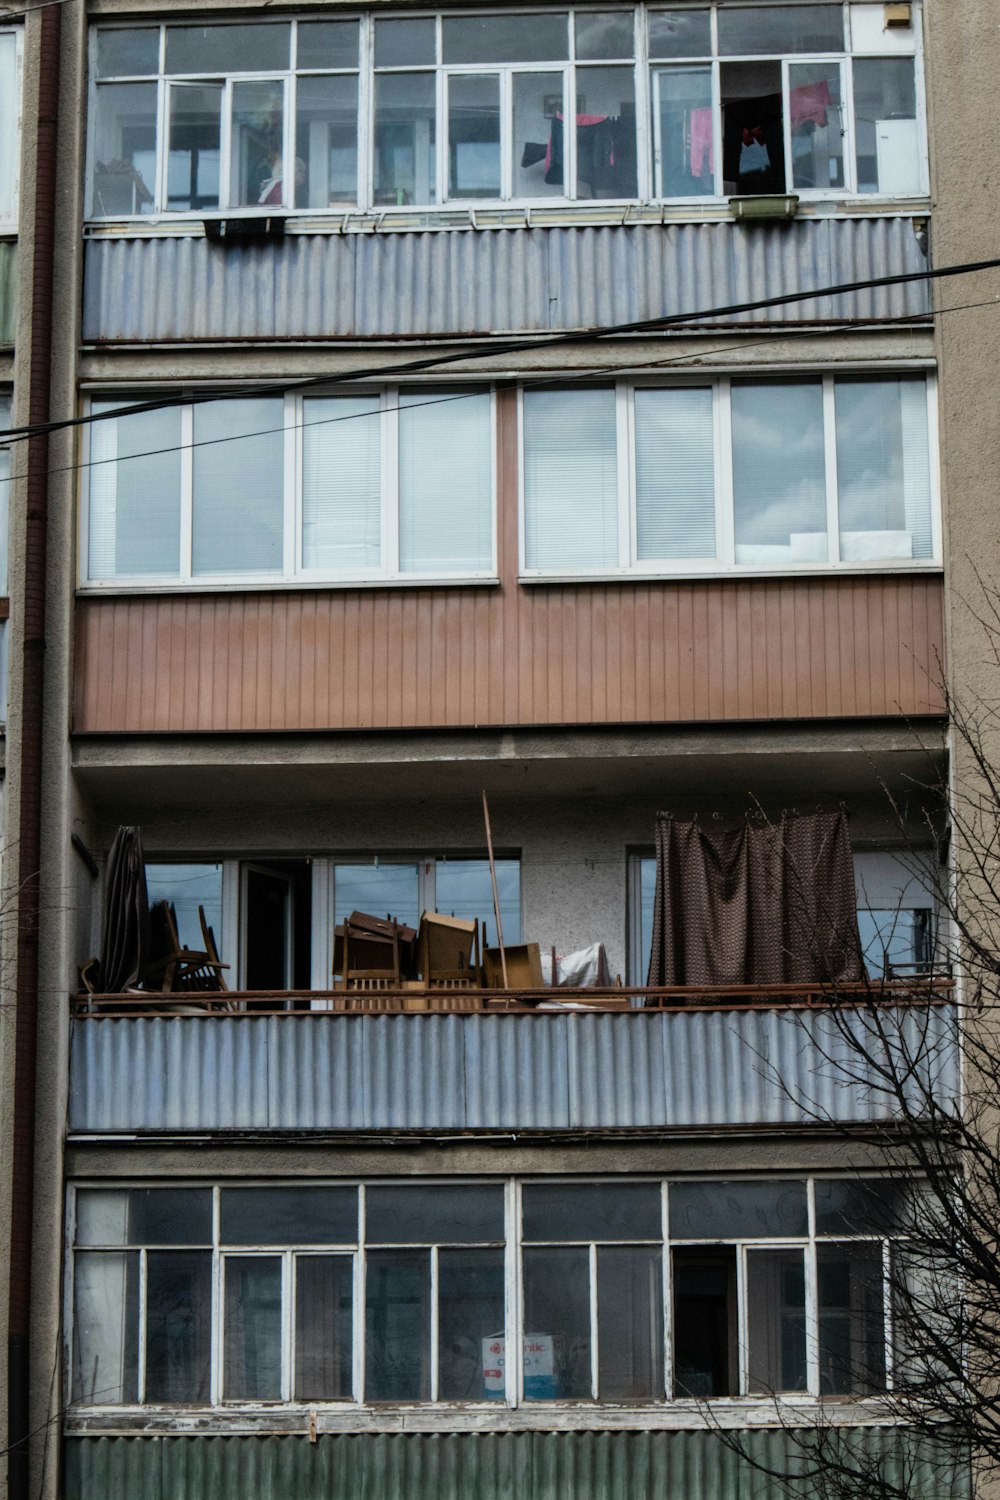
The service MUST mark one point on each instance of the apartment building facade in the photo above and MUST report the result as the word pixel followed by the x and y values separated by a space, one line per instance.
pixel 476 449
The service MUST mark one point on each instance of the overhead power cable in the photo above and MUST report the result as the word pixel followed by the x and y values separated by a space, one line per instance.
pixel 497 343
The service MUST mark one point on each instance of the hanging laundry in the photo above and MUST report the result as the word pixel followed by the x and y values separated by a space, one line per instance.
pixel 701 124
pixel 808 103
pixel 754 156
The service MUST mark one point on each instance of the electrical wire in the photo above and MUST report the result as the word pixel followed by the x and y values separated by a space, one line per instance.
pixel 498 344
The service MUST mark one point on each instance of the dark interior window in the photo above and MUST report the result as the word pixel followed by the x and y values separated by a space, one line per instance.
pixel 705 1322
pixel 753 142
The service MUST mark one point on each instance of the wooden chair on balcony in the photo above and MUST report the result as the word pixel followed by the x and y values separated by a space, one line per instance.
pixel 175 969
pixel 366 961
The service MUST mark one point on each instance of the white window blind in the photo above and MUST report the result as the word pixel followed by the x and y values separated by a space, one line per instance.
pixel 675 474
pixel 570 479
pixel 445 482
pixel 341 484
pixel 779 476
pixel 9 145
pixel 238 501
pixel 883 469
pixel 135 479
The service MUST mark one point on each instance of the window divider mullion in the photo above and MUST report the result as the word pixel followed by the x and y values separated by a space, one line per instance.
pixel 742 1321
pixel 364 190
pixel 360 1314
pixel 848 124
pixel 625 432
pixel 441 81
pixel 812 1318
pixel 888 1331
pixel 226 144
pixel 215 1344
pixel 719 184
pixel 830 456
pixel 187 493
pixel 141 1331
pixel 292 507
pixel 667 1281
pixel 595 1351
pixel 287 1322
pixel 513 1297
pixel 435 1340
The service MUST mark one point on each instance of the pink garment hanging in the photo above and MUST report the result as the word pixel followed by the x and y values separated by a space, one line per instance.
pixel 702 127
pixel 809 102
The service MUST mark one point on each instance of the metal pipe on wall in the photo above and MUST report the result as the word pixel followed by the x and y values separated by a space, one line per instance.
pixel 30 749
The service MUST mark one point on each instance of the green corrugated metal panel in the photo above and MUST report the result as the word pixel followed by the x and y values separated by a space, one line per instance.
pixel 471 1466
pixel 8 291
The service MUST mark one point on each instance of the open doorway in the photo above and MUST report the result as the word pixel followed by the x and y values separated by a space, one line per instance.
pixel 276 920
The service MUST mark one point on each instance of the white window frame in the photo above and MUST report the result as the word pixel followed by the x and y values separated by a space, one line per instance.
pixel 724 564
pixel 291 573
pixel 645 70
pixel 9 224
pixel 512 1247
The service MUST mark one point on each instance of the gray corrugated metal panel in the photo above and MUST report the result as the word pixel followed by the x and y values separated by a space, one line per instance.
pixel 482 1466
pixel 474 282
pixel 8 291
pixel 466 1072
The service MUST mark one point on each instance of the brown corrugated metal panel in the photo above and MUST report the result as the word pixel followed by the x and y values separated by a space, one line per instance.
pixel 619 653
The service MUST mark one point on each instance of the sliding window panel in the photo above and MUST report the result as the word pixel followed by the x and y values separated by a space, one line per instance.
pixel 570 480
pixel 539 116
pixel 194 153
pixel 474 135
pixel 557 1339
pixel 134 515
pixel 470 1320
pixel 887 142
pixel 851 1297
pixel 684 131
pixel 257 145
pixel 817 126
pixel 446 482
pixel 239 477
pixel 105 1329
pixel 776 1321
pixel 779 473
pixel 630 1323
pixel 252 1340
pixel 124 147
pixel 385 890
pixel 463 888
pixel 191 890
pixel 704 1325
pixel 398 1325
pixel 675 475
pixel 405 138
pixel 606 155
pixel 883 470
pixel 326 141
pixel 178 1325
pixel 324 1327
pixel 341 485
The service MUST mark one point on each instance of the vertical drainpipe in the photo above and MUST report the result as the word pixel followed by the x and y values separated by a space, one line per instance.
pixel 29 854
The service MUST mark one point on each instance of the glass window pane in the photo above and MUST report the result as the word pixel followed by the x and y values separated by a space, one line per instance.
pixel 883 469
pixel 10 105
pixel 289 1216
pixel 105 1329
pixel 605 33
pixel 178 1325
pixel 591 1211
pixel 125 149
pixel 704 1323
pixel 776 1320
pixel 780 30
pixel 895 941
pixel 341 485
pixel 324 1322
pixel 405 42
pixel 846 1207
pixel 130 51
pixel 675 474
pixel 464 889
pixel 405 112
pixel 885 126
pixel 239 479
pixel 188 887
pixel 556 1325
pixel 630 1323
pixel 815 107
pixel 445 482
pixel 680 33
pixel 170 1216
pixel 252 1347
pixel 388 890
pixel 195 146
pixel 328 44
pixel 737 1210
pixel 257 173
pixel 134 518
pixel 227 49
pixel 646 895
pixel 683 132
pixel 398 1325
pixel 570 480
pixel 504 38
pixel 851 1319
pixel 101 1216
pixel 326 141
pixel 470 1323
pixel 605 133
pixel 538 135
pixel 474 135
pixel 434 1214
pixel 779 476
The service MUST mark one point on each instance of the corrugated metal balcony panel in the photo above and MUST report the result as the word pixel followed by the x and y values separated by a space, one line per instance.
pixel 476 282
pixel 462 1072
pixel 487 1466
pixel 8 291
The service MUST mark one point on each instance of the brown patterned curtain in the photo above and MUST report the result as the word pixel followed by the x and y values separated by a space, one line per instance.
pixel 755 902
